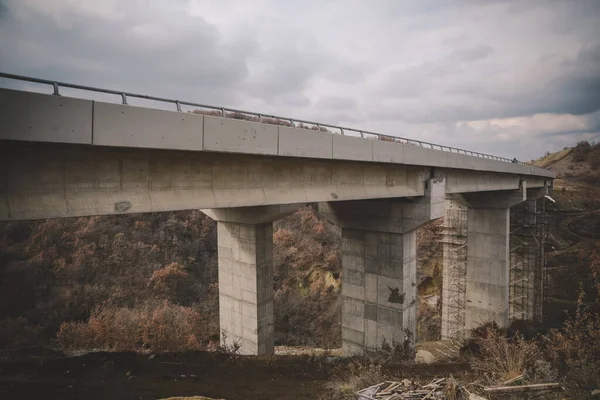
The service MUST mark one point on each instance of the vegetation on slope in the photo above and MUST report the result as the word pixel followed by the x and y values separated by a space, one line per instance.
pixel 149 282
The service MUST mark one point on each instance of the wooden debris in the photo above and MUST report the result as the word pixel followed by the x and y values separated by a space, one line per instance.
pixel 404 390
pixel 524 388
pixel 516 378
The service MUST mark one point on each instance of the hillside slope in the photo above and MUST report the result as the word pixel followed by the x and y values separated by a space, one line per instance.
pixel 573 226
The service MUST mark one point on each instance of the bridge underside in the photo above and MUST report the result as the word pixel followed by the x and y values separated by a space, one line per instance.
pixel 49 180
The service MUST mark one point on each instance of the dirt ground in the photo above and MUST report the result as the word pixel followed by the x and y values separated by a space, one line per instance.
pixel 116 376
pixel 136 376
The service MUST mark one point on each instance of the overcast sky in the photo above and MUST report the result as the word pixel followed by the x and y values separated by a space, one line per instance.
pixel 512 78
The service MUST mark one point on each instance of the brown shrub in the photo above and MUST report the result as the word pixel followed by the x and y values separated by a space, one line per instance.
pixel 581 150
pixel 307 274
pixel 173 328
pixel 164 328
pixel 499 357
pixel 593 157
pixel 75 336
pixel 575 350
pixel 169 281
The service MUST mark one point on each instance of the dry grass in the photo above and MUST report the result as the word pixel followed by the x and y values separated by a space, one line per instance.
pixel 553 158
pixel 165 328
pixel 349 379
pixel 501 358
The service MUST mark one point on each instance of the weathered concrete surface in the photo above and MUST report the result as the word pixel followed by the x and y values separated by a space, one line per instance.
pixel 30 117
pixel 487 267
pixel 252 215
pixel 245 250
pixel 379 265
pixel 246 286
pixel 476 259
pixel 388 215
pixel 52 181
pixel 116 125
pixel 39 117
pixel 235 136
pixel 378 288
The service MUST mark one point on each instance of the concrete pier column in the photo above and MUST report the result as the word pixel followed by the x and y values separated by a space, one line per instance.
pixel 245 241
pixel 487 256
pixel 246 286
pixel 487 266
pixel 379 263
pixel 378 288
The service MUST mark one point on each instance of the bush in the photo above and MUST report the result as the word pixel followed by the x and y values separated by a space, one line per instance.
pixel 499 357
pixel 575 350
pixel 593 157
pixel 581 150
pixel 170 282
pixel 307 269
pixel 164 328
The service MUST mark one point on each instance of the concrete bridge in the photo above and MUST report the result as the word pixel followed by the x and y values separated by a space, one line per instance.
pixel 67 157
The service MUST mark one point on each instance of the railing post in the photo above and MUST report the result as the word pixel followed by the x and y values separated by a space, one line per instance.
pixel 123 98
pixel 178 105
pixel 55 85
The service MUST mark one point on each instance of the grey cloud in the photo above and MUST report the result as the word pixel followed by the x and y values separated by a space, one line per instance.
pixel 107 53
pixel 336 103
pixel 576 90
pixel 451 93
pixel 290 63
pixel 474 53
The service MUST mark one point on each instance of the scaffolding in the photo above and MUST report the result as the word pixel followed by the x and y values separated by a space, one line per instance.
pixel 454 239
pixel 528 276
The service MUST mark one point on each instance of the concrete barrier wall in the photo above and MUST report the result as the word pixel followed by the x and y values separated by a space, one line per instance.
pixel 37 117
pixel 298 142
pixel 125 126
pixel 46 118
pixel 237 136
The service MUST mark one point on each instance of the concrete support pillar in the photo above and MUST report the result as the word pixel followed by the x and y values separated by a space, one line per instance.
pixel 245 240
pixel 486 288
pixel 246 286
pixel 487 266
pixel 378 288
pixel 379 265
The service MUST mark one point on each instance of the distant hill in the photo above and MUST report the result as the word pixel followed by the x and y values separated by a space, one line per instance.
pixel 580 163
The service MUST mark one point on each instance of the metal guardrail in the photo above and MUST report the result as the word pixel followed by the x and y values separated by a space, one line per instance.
pixel 224 110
